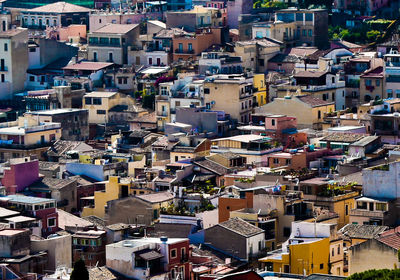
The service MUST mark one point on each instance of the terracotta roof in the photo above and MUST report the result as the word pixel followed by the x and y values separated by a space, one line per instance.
pixel 313 101
pixel 346 44
pixel 212 166
pixel 241 227
pixel 302 51
pixel 116 28
pixel 88 66
pixel 309 74
pixel 66 219
pixel 376 72
pixel 285 58
pixel 391 239
pixel 60 7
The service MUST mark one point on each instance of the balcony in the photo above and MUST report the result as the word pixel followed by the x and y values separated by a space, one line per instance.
pixel 4 69
pixel 179 51
pixel 367 213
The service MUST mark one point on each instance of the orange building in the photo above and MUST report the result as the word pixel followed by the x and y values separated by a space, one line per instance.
pixel 226 204
pixel 291 160
pixel 187 47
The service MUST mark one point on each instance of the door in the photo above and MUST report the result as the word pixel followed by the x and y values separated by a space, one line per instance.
pixel 158 61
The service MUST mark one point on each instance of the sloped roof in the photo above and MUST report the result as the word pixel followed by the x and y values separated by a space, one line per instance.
pixel 241 227
pixel 212 166
pixel 309 74
pixel 116 28
pixel 343 137
pixel 101 273
pixel 313 101
pixel 362 231
pixel 66 219
pixel 392 239
pixel 61 7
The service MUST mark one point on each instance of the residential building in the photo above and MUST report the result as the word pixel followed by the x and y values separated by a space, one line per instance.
pixel 219 63
pixel 260 90
pixel 43 209
pixel 235 9
pixel 99 104
pixel 256 53
pixel 89 246
pixel 281 31
pixel 190 148
pixel 74 122
pixel 27 137
pixel 196 18
pixel 59 14
pixel 11 178
pixel 189 46
pixel 232 94
pixel 372 86
pixel 110 42
pixel 308 110
pixel 311 25
pixel 13 61
pixel 164 256
pixel 249 239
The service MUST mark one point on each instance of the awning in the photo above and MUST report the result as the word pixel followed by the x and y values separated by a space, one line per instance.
pixel 150 255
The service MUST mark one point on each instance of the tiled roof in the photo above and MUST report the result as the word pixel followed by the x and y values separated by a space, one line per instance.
pixel 98 222
pixel 116 28
pixel 347 44
pixel 374 73
pixel 88 66
pixel 362 231
pixel 241 227
pixel 309 74
pixel 66 219
pixel 392 239
pixel 156 197
pixel 118 226
pixel 61 7
pixel 302 51
pixel 285 58
pixel 101 273
pixel 212 166
pixel 50 183
pixel 147 118
pixel 343 137
pixel 313 101
pixel 170 230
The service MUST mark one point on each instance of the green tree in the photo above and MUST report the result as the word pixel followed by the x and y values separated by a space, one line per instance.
pixel 79 272
pixel 382 274
pixel 372 35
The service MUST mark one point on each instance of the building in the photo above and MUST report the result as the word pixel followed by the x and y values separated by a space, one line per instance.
pixel 235 9
pixel 146 257
pixel 89 246
pixel 99 104
pixel 27 137
pixel 74 122
pixel 311 25
pixel 59 14
pixel 219 63
pixel 246 240
pixel 372 86
pixel 280 31
pixel 232 94
pixel 13 61
pixel 110 42
pixel 43 209
pixel 11 178
pixel 309 111
pixel 190 148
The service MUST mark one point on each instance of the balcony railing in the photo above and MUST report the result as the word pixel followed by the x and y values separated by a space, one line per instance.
pixel 184 51
pixel 367 213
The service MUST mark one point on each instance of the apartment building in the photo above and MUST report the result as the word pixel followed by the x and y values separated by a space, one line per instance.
pixel 13 61
pixel 230 93
pixel 110 42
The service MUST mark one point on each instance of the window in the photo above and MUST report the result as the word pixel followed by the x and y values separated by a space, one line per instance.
pixel 276 160
pixel 319 114
pixel 346 209
pixel 180 47
pixel 5 47
pixel 115 41
pixel 273 122
pixel 259 34
pixel 338 249
pixel 288 161
pixel 261 62
pixel 206 91
pixel 95 56
pixel 368 83
pixel 110 57
pixel 173 253
pixel 150 61
pixel 88 100
pixel 190 47
pixel 389 93
pixel 377 83
pixel 304 32
pixel 321 266
pixel 31 78
pixel 101 112
pixel 51 222
pixel 381 207
pixel 3 78
pixel 333 252
pixel 309 17
pixel 183 253
pixel 97 101
pixel 309 32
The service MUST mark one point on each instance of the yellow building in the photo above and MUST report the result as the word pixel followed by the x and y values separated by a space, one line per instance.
pixel 116 188
pixel 308 110
pixel 99 103
pixel 190 148
pixel 260 89
pixel 27 137
pixel 301 256
pixel 230 93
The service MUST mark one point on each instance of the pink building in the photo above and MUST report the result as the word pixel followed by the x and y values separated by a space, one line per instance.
pixel 73 33
pixel 12 179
